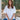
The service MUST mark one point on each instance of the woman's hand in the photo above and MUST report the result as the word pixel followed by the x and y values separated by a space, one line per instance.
pixel 12 18
pixel 8 18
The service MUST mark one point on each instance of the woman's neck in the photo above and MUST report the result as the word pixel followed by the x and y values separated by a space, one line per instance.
pixel 10 7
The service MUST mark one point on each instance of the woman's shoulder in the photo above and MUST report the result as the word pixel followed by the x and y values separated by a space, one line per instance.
pixel 13 6
pixel 6 6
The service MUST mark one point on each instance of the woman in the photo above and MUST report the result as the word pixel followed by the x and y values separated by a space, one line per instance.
pixel 10 10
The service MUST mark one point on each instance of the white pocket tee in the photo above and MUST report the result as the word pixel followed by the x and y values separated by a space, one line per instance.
pixel 10 12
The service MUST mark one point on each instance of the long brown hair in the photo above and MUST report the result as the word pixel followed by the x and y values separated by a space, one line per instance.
pixel 11 4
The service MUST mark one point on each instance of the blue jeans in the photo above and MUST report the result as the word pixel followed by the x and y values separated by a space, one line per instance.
pixel 14 19
pixel 4 19
pixel 7 19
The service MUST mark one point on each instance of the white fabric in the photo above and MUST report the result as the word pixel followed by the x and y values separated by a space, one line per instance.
pixel 9 12
pixel 18 18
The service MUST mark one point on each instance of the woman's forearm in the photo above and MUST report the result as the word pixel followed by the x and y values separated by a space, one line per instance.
pixel 13 16
pixel 7 16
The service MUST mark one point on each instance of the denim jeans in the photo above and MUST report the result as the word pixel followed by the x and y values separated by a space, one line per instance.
pixel 13 19
pixel 7 19
pixel 4 19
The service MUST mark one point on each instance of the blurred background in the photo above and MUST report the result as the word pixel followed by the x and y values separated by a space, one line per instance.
pixel 16 3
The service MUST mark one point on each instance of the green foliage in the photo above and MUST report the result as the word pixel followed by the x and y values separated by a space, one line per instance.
pixel 16 2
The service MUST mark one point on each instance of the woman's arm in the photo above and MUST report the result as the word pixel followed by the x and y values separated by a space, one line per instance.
pixel 14 11
pixel 13 16
pixel 7 16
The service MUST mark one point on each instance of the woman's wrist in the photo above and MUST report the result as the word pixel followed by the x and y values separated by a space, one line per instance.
pixel 12 17
pixel 8 18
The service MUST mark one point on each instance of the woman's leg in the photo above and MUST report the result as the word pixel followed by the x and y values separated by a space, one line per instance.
pixel 14 19
pixel 4 19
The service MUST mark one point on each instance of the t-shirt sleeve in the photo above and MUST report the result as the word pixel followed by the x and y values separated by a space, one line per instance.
pixel 14 10
pixel 5 9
